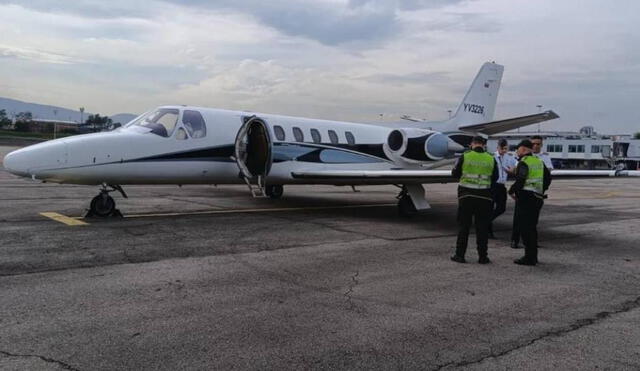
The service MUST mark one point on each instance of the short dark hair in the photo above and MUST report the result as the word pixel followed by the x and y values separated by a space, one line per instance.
pixel 536 137
pixel 525 143
pixel 478 139
pixel 503 143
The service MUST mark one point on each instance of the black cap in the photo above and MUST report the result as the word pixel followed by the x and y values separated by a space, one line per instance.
pixel 525 143
pixel 478 139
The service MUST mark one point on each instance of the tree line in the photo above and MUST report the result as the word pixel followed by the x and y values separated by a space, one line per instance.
pixel 23 122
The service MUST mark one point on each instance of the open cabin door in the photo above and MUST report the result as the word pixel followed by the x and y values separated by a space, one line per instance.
pixel 253 154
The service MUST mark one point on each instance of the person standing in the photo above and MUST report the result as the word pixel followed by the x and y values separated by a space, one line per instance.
pixel 506 165
pixel 478 172
pixel 537 143
pixel 532 180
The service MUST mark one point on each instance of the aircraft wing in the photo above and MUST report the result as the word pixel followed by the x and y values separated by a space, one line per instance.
pixel 376 176
pixel 573 174
pixel 431 176
pixel 495 127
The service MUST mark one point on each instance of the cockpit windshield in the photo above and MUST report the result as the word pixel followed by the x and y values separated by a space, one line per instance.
pixel 161 121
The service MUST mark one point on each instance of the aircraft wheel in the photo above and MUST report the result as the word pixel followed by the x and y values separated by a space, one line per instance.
pixel 102 205
pixel 406 208
pixel 274 191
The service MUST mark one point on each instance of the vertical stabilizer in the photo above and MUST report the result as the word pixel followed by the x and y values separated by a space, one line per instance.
pixel 479 103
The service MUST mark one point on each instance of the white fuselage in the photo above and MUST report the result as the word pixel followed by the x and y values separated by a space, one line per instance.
pixel 135 155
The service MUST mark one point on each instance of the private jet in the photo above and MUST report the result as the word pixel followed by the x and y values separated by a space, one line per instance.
pixel 195 145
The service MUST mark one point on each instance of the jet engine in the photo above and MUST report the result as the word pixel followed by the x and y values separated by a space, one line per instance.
pixel 420 145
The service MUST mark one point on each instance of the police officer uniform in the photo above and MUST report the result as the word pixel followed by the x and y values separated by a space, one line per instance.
pixel 478 172
pixel 532 180
pixel 515 232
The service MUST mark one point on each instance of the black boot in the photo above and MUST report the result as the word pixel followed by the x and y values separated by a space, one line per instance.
pixel 523 261
pixel 484 260
pixel 458 259
pixel 514 245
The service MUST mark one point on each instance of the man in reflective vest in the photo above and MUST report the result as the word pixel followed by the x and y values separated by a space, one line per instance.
pixel 478 173
pixel 532 181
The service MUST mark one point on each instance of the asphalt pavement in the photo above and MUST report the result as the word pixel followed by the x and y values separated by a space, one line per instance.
pixel 204 277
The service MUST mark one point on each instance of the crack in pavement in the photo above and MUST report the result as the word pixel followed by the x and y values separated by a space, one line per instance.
pixel 577 325
pixel 64 365
pixel 349 300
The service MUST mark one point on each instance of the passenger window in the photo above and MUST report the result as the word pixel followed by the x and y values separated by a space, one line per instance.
pixel 333 137
pixel 194 123
pixel 181 134
pixel 279 132
pixel 297 133
pixel 315 135
pixel 350 138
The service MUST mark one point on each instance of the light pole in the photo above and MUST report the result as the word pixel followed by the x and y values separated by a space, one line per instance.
pixel 539 110
pixel 81 115
pixel 449 113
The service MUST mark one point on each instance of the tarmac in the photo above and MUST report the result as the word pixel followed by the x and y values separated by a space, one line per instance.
pixel 204 277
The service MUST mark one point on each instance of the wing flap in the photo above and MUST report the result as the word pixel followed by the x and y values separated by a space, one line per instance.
pixel 495 127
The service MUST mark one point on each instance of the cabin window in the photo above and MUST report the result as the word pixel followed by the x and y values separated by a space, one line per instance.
pixel 279 131
pixel 333 137
pixel 161 121
pixel 297 133
pixel 596 148
pixel 315 135
pixel 350 138
pixel 194 123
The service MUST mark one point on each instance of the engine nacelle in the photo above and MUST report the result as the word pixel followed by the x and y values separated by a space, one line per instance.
pixel 420 145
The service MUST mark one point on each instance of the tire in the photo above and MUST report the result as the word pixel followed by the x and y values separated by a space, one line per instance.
pixel 406 208
pixel 274 191
pixel 102 205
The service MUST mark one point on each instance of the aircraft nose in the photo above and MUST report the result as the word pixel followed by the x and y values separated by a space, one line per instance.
pixel 15 162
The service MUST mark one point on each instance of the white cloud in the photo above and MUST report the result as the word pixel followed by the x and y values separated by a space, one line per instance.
pixel 343 59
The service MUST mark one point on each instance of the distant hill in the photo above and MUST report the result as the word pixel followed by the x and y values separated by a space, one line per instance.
pixel 42 111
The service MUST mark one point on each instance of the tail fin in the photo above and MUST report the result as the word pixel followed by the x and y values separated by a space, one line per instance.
pixel 479 103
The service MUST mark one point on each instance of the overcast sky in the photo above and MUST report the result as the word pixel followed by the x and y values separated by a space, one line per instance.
pixel 334 59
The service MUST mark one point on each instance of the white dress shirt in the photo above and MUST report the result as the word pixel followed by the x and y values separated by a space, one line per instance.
pixel 544 156
pixel 505 162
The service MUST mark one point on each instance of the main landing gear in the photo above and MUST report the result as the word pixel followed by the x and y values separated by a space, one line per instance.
pixel 411 200
pixel 406 208
pixel 274 191
pixel 103 204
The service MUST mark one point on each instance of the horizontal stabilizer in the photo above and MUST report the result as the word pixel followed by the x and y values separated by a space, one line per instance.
pixel 495 127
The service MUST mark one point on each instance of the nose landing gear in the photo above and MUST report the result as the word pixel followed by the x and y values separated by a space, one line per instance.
pixel 103 205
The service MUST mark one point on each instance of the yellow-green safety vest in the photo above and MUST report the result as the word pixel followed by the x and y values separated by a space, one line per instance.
pixel 477 168
pixel 535 178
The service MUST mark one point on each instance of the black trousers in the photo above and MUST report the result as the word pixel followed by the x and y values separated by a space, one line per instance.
pixel 499 205
pixel 478 210
pixel 528 207
pixel 515 230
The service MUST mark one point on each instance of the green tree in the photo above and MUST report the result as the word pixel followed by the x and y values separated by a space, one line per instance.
pixel 636 135
pixel 5 122
pixel 97 122
pixel 23 121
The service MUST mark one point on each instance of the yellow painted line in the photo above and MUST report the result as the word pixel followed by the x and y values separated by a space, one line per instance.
pixel 265 210
pixel 63 219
